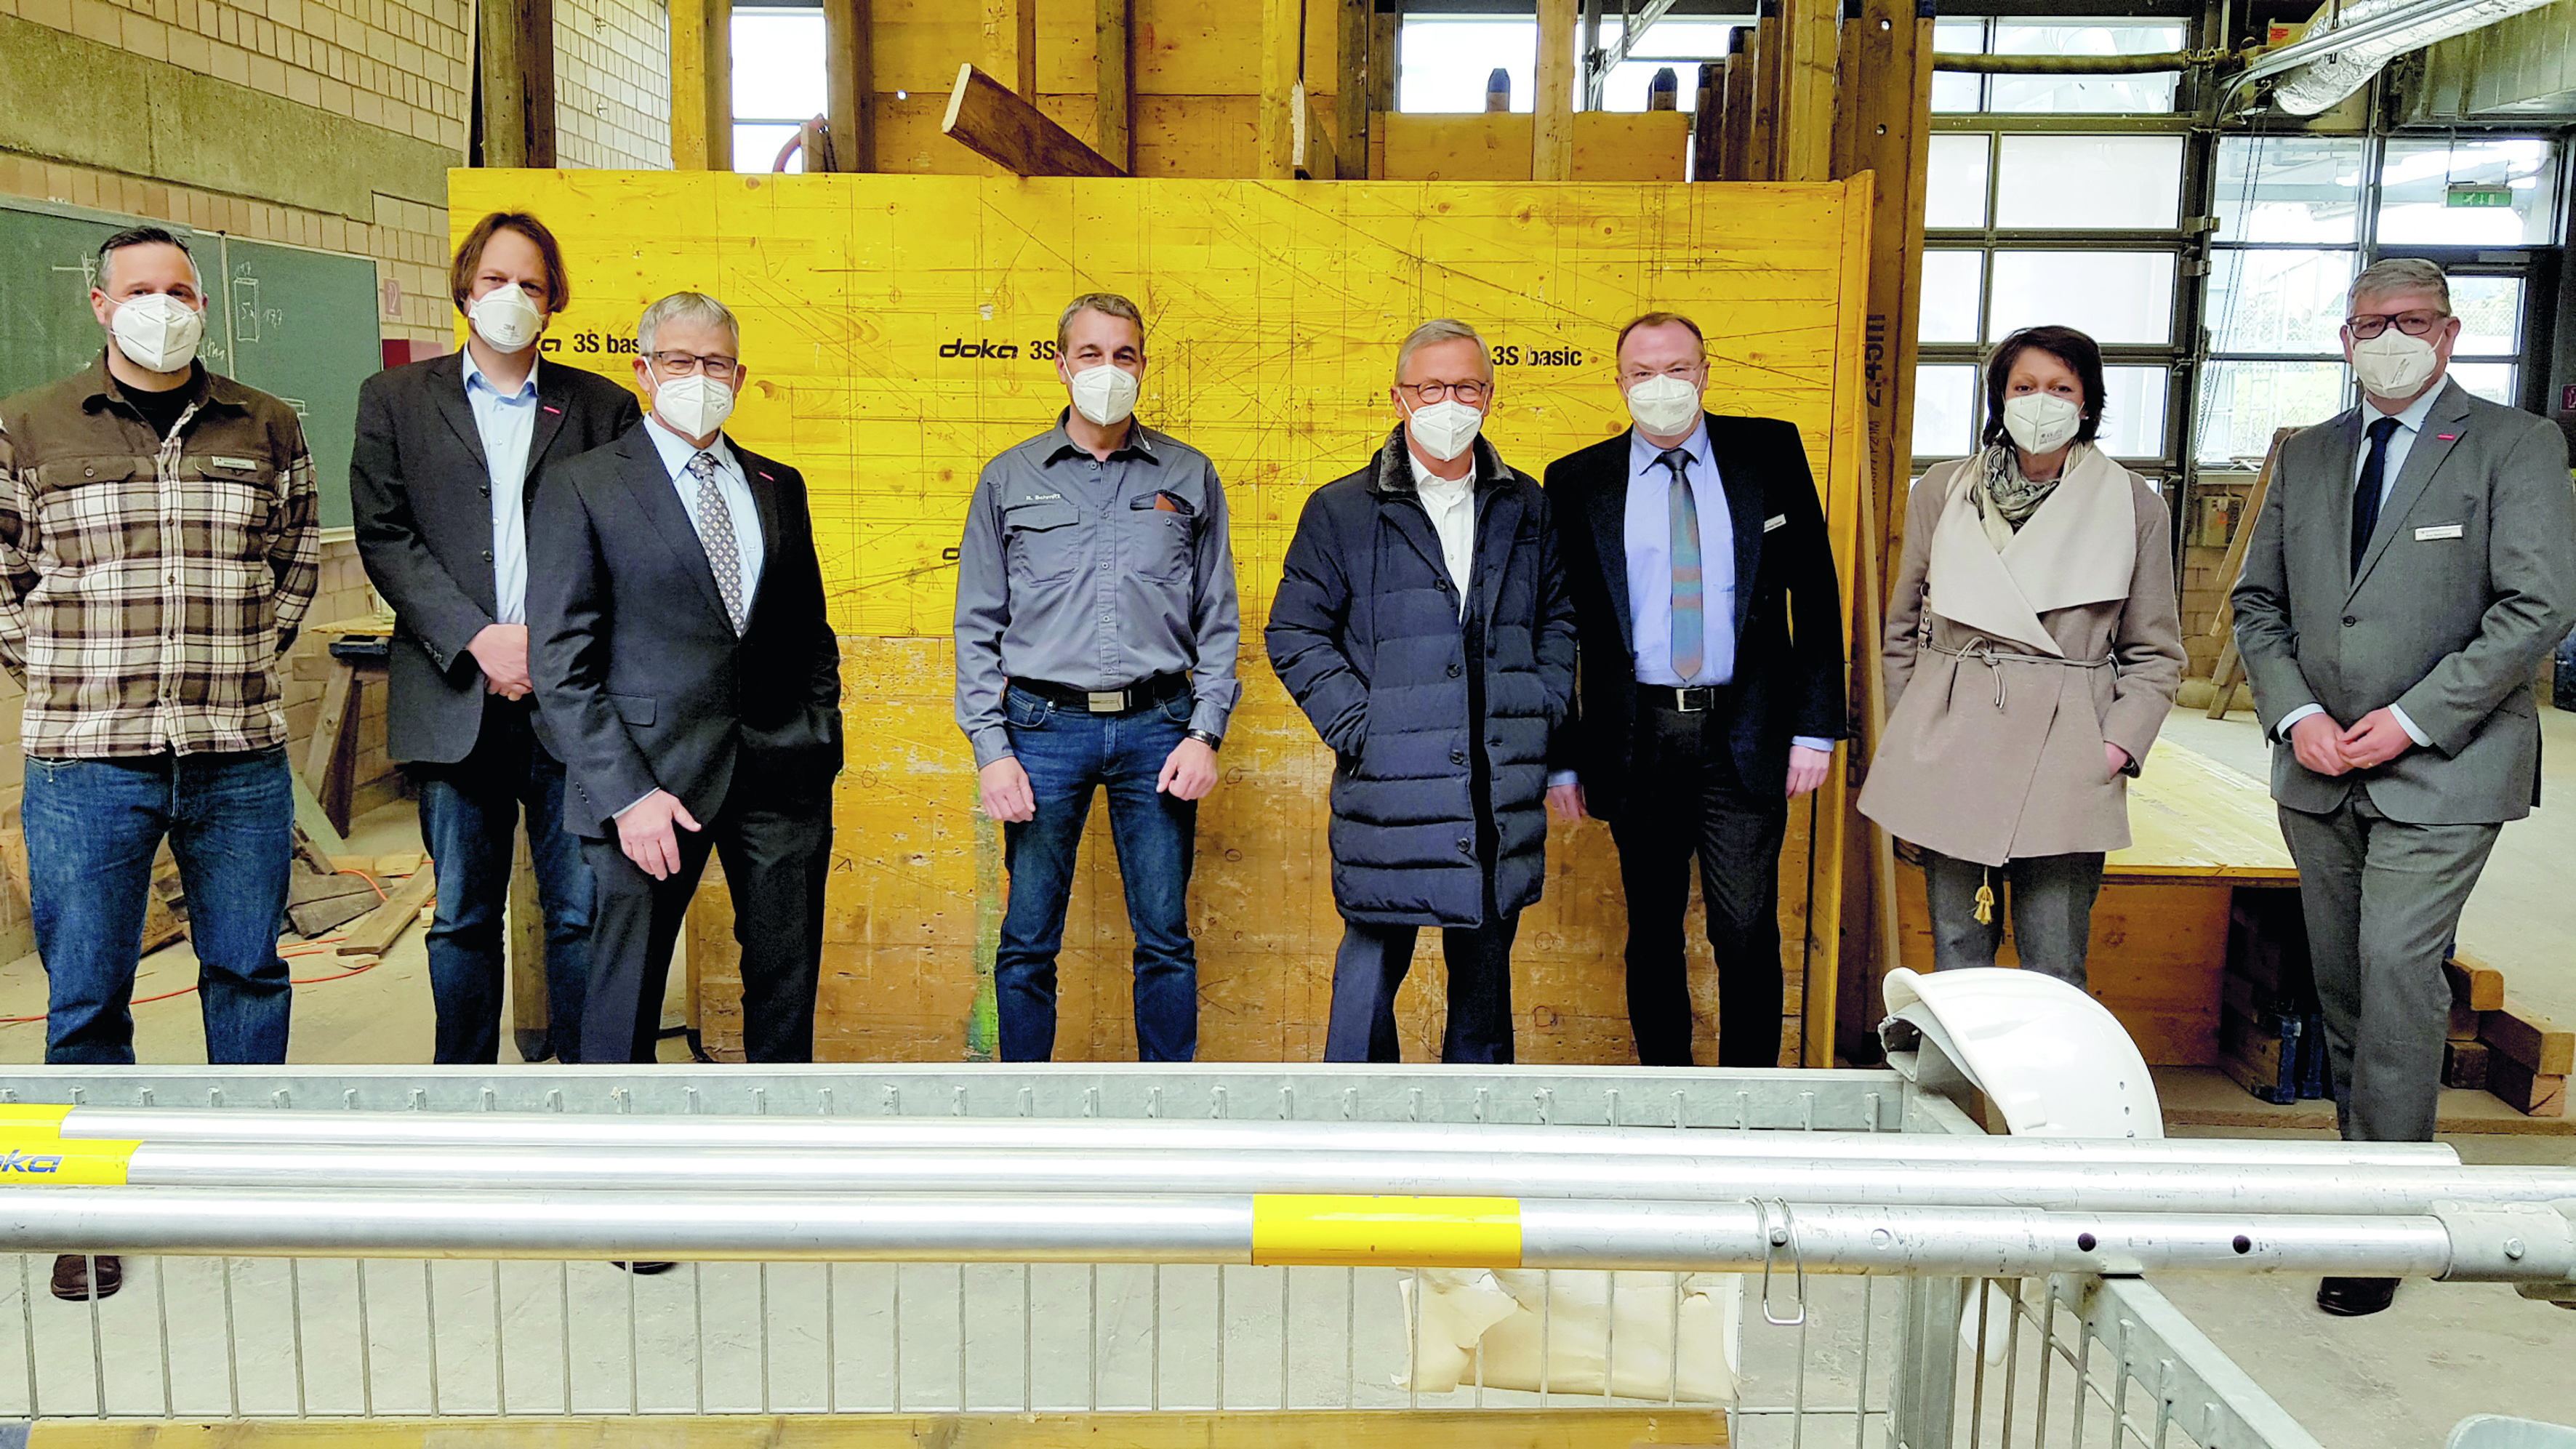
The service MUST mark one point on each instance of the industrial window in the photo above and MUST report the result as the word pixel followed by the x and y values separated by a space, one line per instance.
pixel 778 82
pixel 1444 62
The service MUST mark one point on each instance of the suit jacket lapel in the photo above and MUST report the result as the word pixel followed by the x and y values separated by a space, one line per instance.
pixel 552 401
pixel 447 392
pixel 1609 505
pixel 1743 488
pixel 2441 432
pixel 660 499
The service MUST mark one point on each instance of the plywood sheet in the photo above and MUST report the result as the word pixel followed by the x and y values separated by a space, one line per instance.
pixel 2192 818
pixel 894 331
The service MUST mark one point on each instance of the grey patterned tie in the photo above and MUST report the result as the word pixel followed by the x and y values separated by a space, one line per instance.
pixel 715 533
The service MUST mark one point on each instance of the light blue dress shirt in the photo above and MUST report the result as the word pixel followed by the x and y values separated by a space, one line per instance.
pixel 2410 424
pixel 748 545
pixel 507 423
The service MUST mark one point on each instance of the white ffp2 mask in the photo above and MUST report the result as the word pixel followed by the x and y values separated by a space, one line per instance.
pixel 505 318
pixel 1664 405
pixel 1105 395
pixel 694 406
pixel 2393 364
pixel 157 332
pixel 1445 428
pixel 2042 422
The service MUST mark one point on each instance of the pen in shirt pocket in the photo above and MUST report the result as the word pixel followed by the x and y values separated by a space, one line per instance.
pixel 1162 502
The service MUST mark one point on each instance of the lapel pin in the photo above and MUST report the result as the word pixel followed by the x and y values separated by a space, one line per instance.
pixel 2446 437
pixel 558 412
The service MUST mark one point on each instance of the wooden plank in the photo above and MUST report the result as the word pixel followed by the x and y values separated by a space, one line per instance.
pixel 2192 818
pixel 377 930
pixel 2531 1093
pixel 2233 564
pixel 1312 143
pixel 1609 146
pixel 1889 100
pixel 1708 118
pixel 849 78
pixel 1552 128
pixel 2529 1038
pixel 1282 48
pixel 1010 46
pixel 1760 160
pixel 987 119
pixel 1551 1428
pixel 2467 1024
pixel 524 948
pixel 1735 127
pixel 1809 36
pixel 1114 29
pixel 2223 677
pixel 2475 983
pixel 515 44
pixel 2464 1064
pixel 701 85
pixel 1352 81
pixel 320 750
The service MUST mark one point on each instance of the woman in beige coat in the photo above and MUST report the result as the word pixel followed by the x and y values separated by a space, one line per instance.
pixel 2033 648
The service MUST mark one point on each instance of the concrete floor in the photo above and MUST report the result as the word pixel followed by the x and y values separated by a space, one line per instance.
pixel 2401 1379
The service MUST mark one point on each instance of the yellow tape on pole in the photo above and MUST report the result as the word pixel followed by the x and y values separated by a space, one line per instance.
pixel 29 1159
pixel 49 1113
pixel 1412 1232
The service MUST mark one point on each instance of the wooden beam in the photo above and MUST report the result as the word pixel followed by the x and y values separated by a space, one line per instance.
pixel 1707 117
pixel 986 118
pixel 701 85
pixel 1313 141
pixel 516 40
pixel 1011 45
pixel 849 71
pixel 1283 48
pixel 1735 128
pixel 1352 56
pixel 373 932
pixel 1552 137
pixel 1809 36
pixel 1114 31
pixel 1891 97
pixel 1759 163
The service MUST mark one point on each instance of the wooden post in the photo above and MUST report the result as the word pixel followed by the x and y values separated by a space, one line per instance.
pixel 1890 97
pixel 1735 132
pixel 1707 140
pixel 518 73
pixel 1283 49
pixel 1352 56
pixel 1758 158
pixel 701 85
pixel 1552 131
pixel 849 70
pixel 987 119
pixel 1805 130
pixel 1011 45
pixel 1115 30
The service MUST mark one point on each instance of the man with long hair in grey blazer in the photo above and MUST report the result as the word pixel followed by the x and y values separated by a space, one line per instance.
pixel 2415 560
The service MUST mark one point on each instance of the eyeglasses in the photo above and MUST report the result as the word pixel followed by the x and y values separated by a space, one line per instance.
pixel 1470 393
pixel 2413 324
pixel 1634 375
pixel 682 364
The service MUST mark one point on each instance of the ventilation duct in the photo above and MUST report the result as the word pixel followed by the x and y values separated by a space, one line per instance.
pixel 2345 46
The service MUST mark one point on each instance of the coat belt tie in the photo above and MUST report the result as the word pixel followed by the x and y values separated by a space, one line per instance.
pixel 1983 651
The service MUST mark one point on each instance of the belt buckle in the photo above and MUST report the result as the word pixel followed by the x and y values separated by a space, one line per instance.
pixel 1106 701
pixel 1682 701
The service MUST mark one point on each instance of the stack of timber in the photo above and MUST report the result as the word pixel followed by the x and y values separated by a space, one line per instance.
pixel 2497 1045
pixel 2270 1036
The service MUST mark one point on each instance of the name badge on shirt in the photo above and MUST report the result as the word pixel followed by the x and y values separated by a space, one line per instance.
pixel 245 464
pixel 1776 520
pixel 2441 530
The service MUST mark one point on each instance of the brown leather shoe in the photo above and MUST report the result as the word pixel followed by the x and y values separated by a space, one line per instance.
pixel 2356 1297
pixel 75 1281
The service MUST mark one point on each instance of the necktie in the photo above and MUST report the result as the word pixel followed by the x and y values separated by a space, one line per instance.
pixel 715 532
pixel 1689 616
pixel 2365 494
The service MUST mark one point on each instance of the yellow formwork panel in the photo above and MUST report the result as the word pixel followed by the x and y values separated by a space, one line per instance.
pixel 897 332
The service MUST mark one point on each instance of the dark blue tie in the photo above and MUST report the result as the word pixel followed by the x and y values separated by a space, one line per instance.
pixel 2365 494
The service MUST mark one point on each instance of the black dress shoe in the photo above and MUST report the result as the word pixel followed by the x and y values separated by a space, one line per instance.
pixel 2356 1297
pixel 75 1282
pixel 645 1270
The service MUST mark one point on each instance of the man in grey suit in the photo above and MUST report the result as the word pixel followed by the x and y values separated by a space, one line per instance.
pixel 2414 562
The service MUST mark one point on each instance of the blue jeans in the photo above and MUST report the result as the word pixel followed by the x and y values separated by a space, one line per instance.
pixel 469 816
pixel 93 827
pixel 1067 752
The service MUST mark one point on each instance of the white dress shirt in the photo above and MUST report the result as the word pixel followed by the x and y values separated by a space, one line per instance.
pixel 1451 502
pixel 2410 423
pixel 507 424
pixel 748 545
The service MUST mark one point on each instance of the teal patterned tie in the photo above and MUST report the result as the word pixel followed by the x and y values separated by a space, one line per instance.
pixel 1688 612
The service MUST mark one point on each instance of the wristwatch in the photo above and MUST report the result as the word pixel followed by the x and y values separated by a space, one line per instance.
pixel 1212 741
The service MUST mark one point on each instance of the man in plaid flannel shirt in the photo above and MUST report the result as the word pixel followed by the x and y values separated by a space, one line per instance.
pixel 158 547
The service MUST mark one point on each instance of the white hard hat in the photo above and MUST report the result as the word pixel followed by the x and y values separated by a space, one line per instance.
pixel 2056 1062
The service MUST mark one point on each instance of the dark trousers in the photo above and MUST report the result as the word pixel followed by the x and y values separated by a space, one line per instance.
pixel 2050 898
pixel 1687 799
pixel 775 861
pixel 1370 967
pixel 469 818
pixel 1068 754
pixel 2382 900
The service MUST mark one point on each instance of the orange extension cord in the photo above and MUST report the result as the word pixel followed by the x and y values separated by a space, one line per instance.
pixel 308 948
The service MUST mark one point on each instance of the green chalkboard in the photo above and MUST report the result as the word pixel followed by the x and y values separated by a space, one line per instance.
pixel 298 323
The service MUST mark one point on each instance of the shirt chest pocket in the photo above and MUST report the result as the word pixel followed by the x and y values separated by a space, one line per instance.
pixel 1157 543
pixel 1039 542
pixel 93 511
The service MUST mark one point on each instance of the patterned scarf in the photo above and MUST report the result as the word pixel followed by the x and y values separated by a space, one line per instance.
pixel 2007 492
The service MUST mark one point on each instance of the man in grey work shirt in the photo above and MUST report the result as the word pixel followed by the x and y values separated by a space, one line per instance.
pixel 1096 632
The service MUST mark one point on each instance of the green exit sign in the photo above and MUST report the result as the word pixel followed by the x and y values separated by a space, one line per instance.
pixel 2465 193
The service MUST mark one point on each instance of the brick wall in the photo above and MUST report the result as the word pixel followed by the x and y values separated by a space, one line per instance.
pixel 613 84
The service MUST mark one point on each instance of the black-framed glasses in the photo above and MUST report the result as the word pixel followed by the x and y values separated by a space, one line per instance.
pixel 2414 324
pixel 1470 393
pixel 684 364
